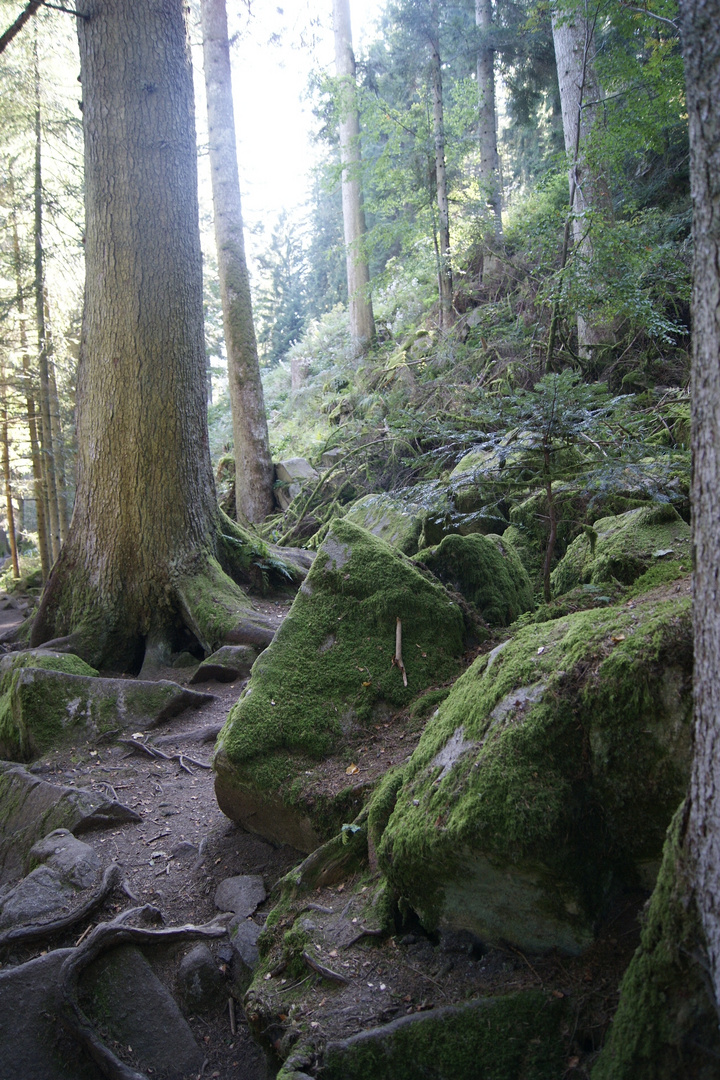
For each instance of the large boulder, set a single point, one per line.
(292, 474)
(47, 698)
(326, 678)
(624, 547)
(547, 778)
(394, 519)
(64, 868)
(487, 571)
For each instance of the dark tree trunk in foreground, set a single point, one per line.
(362, 324)
(139, 563)
(490, 179)
(701, 48)
(254, 473)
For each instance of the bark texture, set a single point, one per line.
(580, 92)
(145, 521)
(490, 178)
(254, 473)
(362, 325)
(445, 267)
(701, 49)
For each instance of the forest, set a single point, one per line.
(359, 619)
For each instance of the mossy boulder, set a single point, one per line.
(624, 547)
(486, 571)
(325, 677)
(547, 778)
(48, 698)
(666, 1023)
(390, 517)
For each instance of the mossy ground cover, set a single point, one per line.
(486, 571)
(557, 761)
(328, 675)
(624, 547)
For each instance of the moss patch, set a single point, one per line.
(666, 1024)
(512, 1038)
(625, 547)
(486, 571)
(548, 775)
(389, 517)
(328, 670)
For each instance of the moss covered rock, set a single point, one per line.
(624, 547)
(326, 676)
(48, 698)
(547, 778)
(666, 1023)
(393, 519)
(486, 571)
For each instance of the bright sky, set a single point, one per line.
(272, 119)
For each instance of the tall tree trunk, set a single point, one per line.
(445, 267)
(701, 48)
(141, 567)
(254, 473)
(573, 38)
(56, 432)
(38, 479)
(362, 324)
(46, 442)
(490, 178)
(5, 443)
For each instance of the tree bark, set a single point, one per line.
(5, 441)
(56, 432)
(254, 473)
(38, 482)
(362, 324)
(490, 178)
(445, 267)
(573, 38)
(139, 570)
(701, 49)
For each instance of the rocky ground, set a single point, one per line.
(181, 849)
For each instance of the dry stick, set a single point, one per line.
(23, 935)
(104, 937)
(231, 1010)
(326, 972)
(397, 659)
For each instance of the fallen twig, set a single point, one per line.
(231, 1010)
(326, 972)
(363, 933)
(397, 660)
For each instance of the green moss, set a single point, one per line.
(562, 754)
(486, 571)
(666, 1023)
(32, 717)
(517, 1037)
(428, 702)
(329, 666)
(624, 548)
(213, 603)
(397, 521)
(382, 804)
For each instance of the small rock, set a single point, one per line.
(244, 934)
(241, 894)
(184, 851)
(229, 663)
(201, 984)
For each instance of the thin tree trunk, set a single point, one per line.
(445, 274)
(362, 324)
(46, 442)
(38, 480)
(254, 473)
(490, 178)
(5, 441)
(573, 38)
(701, 49)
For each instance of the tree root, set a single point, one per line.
(153, 752)
(103, 937)
(25, 935)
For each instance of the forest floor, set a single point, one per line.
(183, 847)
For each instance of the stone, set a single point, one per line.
(546, 781)
(292, 474)
(202, 987)
(327, 678)
(226, 664)
(241, 894)
(244, 934)
(30, 808)
(397, 521)
(41, 706)
(121, 992)
(486, 571)
(67, 867)
(624, 547)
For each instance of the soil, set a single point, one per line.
(183, 847)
